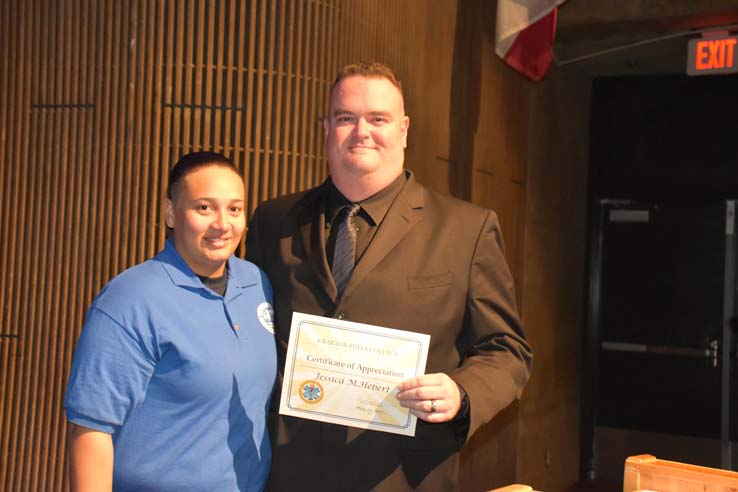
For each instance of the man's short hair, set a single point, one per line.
(371, 69)
(192, 162)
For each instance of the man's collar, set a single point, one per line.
(375, 207)
(334, 201)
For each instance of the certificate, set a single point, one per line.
(347, 373)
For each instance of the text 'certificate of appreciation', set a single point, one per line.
(347, 373)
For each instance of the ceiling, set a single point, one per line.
(636, 37)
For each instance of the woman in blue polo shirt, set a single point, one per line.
(172, 375)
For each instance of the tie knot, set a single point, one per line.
(352, 209)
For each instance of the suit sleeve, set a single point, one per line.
(496, 356)
(253, 248)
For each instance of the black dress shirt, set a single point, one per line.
(368, 220)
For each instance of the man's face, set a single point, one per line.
(208, 218)
(366, 131)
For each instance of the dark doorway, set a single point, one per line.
(659, 353)
(662, 341)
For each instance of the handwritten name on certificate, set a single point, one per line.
(347, 373)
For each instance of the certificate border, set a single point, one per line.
(374, 423)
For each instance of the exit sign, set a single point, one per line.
(711, 55)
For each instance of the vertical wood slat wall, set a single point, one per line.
(98, 98)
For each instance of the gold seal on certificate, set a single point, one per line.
(347, 373)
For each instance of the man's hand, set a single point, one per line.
(432, 397)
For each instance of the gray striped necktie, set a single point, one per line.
(345, 249)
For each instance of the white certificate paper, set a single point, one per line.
(347, 373)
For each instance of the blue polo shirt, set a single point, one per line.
(180, 376)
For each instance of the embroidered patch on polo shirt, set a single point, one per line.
(265, 313)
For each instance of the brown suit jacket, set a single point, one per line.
(435, 266)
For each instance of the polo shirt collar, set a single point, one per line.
(182, 275)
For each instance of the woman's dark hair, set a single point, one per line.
(192, 162)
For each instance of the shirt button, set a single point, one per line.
(236, 327)
(339, 315)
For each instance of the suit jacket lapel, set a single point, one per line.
(311, 230)
(401, 217)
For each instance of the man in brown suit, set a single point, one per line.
(423, 262)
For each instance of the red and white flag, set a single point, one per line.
(525, 34)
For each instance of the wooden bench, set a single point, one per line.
(516, 487)
(646, 472)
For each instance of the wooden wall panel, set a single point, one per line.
(553, 284)
(98, 98)
(498, 180)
